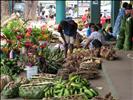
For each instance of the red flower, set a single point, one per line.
(19, 37)
(43, 45)
(29, 30)
(28, 44)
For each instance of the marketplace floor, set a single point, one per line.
(119, 75)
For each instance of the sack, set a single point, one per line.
(96, 43)
(32, 91)
(11, 90)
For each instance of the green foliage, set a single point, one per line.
(10, 67)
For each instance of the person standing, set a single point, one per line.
(124, 38)
(68, 30)
(116, 28)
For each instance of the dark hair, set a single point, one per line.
(96, 43)
(101, 15)
(63, 23)
(129, 6)
(125, 4)
(95, 28)
(90, 24)
(99, 25)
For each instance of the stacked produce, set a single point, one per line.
(80, 63)
(108, 53)
(11, 89)
(35, 88)
(10, 67)
(50, 60)
(42, 78)
(73, 86)
(39, 87)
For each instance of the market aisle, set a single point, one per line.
(119, 75)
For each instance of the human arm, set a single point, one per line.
(61, 33)
(90, 38)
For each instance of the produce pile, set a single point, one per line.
(49, 86)
(108, 53)
(54, 60)
(10, 87)
(10, 67)
(86, 67)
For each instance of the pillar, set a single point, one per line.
(115, 5)
(60, 10)
(10, 7)
(95, 11)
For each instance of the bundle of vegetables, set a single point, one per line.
(74, 85)
(107, 97)
(34, 90)
(96, 62)
(4, 80)
(121, 37)
(54, 60)
(128, 34)
(87, 67)
(10, 67)
(68, 68)
(42, 78)
(108, 53)
(11, 90)
(44, 75)
(79, 54)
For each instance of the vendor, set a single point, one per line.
(68, 30)
(95, 39)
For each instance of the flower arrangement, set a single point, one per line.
(28, 40)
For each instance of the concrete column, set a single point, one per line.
(95, 11)
(10, 6)
(60, 10)
(115, 5)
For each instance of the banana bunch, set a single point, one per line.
(81, 86)
(49, 90)
(73, 86)
(61, 88)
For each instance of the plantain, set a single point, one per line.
(76, 85)
(94, 92)
(66, 92)
(73, 78)
(88, 93)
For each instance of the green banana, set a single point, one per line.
(66, 92)
(88, 92)
(46, 89)
(94, 92)
(61, 92)
(76, 85)
(59, 86)
(73, 78)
